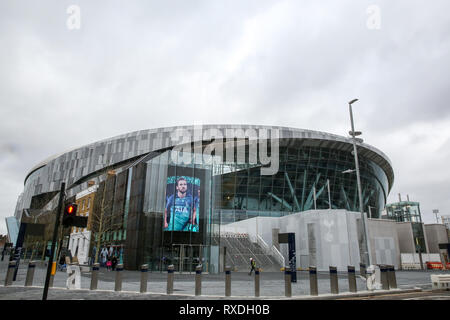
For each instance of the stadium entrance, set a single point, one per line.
(184, 257)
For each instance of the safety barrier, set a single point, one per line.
(198, 280)
(144, 278)
(30, 273)
(334, 286)
(118, 284)
(351, 278)
(227, 281)
(387, 279)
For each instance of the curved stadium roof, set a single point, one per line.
(129, 145)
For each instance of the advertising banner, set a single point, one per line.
(182, 208)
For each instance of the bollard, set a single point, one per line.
(198, 280)
(94, 276)
(391, 277)
(257, 287)
(170, 279)
(362, 270)
(144, 278)
(10, 273)
(118, 286)
(287, 282)
(30, 274)
(50, 281)
(52, 275)
(227, 281)
(384, 277)
(351, 278)
(334, 280)
(313, 289)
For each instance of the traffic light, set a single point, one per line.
(70, 212)
(70, 218)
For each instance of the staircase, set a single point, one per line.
(239, 251)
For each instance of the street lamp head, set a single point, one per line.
(353, 101)
(355, 133)
(349, 171)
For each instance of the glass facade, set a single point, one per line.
(303, 175)
(166, 238)
(164, 206)
(218, 193)
(408, 211)
(405, 211)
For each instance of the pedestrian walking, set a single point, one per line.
(104, 257)
(114, 262)
(62, 262)
(92, 258)
(108, 264)
(252, 265)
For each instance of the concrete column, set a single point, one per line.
(313, 287)
(391, 277)
(170, 275)
(287, 282)
(30, 274)
(198, 280)
(118, 285)
(257, 287)
(384, 277)
(10, 273)
(351, 279)
(144, 278)
(227, 281)
(94, 276)
(334, 285)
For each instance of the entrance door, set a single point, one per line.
(186, 257)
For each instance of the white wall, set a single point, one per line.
(405, 237)
(335, 236)
(384, 241)
(435, 234)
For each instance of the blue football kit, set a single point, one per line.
(179, 212)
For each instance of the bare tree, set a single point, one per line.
(104, 219)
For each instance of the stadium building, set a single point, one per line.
(171, 195)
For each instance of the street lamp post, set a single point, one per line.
(358, 179)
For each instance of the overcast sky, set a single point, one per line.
(136, 65)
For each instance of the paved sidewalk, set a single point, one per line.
(213, 285)
(35, 293)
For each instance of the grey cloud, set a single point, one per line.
(142, 64)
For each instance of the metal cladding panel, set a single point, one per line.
(98, 155)
(135, 225)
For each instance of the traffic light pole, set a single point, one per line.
(55, 232)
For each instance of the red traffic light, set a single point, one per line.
(69, 217)
(71, 209)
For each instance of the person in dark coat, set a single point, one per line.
(114, 262)
(62, 262)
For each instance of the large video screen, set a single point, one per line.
(182, 209)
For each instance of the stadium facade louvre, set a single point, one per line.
(221, 187)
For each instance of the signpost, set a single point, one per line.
(18, 249)
(289, 238)
(55, 232)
